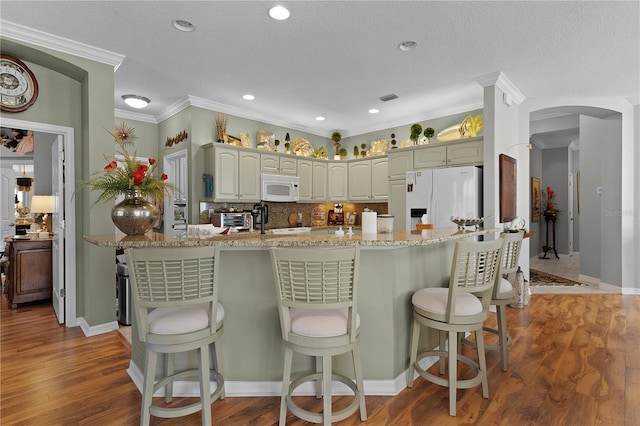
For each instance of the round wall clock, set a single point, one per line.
(18, 85)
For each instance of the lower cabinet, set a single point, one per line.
(30, 276)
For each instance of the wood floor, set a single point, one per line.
(575, 360)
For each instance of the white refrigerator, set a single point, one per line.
(442, 194)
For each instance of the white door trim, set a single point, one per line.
(67, 134)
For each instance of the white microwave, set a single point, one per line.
(282, 188)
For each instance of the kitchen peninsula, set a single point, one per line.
(392, 267)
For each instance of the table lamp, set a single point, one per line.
(43, 204)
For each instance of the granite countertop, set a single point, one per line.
(255, 239)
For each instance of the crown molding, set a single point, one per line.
(501, 81)
(60, 44)
(129, 115)
(536, 142)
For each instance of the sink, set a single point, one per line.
(291, 231)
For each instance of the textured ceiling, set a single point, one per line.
(336, 58)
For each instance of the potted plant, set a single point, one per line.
(276, 143)
(287, 148)
(428, 133)
(363, 151)
(342, 153)
(356, 151)
(336, 137)
(415, 130)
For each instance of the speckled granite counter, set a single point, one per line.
(392, 268)
(255, 239)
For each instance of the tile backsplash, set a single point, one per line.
(279, 212)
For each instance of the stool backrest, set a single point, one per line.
(318, 278)
(172, 277)
(512, 243)
(475, 269)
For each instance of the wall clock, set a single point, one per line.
(18, 85)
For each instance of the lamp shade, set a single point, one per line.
(41, 204)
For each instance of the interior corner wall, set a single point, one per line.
(575, 164)
(535, 170)
(555, 175)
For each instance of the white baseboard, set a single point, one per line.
(272, 388)
(592, 281)
(94, 330)
(631, 291)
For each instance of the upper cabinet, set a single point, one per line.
(236, 173)
(400, 162)
(368, 180)
(337, 177)
(278, 164)
(458, 153)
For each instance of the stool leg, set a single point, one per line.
(482, 363)
(413, 351)
(205, 388)
(319, 381)
(357, 367)
(326, 390)
(453, 371)
(442, 344)
(501, 316)
(151, 360)
(286, 378)
(169, 370)
(217, 365)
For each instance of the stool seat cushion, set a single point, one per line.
(321, 322)
(435, 300)
(177, 319)
(504, 286)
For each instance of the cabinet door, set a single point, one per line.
(379, 179)
(471, 153)
(398, 204)
(360, 180)
(305, 177)
(319, 180)
(288, 166)
(269, 163)
(249, 176)
(400, 162)
(226, 174)
(429, 157)
(337, 177)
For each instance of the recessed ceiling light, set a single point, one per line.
(136, 101)
(248, 97)
(373, 111)
(405, 46)
(320, 118)
(182, 25)
(279, 13)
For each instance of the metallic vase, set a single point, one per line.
(134, 215)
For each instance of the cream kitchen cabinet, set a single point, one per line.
(368, 180)
(337, 178)
(278, 164)
(458, 153)
(400, 162)
(312, 175)
(236, 173)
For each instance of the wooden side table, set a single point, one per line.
(30, 276)
(547, 248)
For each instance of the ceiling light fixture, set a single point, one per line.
(248, 97)
(182, 25)
(320, 118)
(373, 111)
(279, 13)
(405, 46)
(136, 101)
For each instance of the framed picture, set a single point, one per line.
(336, 218)
(508, 185)
(535, 199)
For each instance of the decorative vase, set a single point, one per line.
(134, 215)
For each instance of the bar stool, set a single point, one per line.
(175, 299)
(317, 303)
(454, 310)
(503, 293)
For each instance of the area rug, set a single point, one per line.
(539, 278)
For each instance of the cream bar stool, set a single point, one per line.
(317, 302)
(175, 299)
(457, 310)
(503, 293)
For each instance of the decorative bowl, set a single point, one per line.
(463, 222)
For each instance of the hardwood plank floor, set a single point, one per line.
(575, 360)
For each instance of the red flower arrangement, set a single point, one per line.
(550, 205)
(133, 174)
